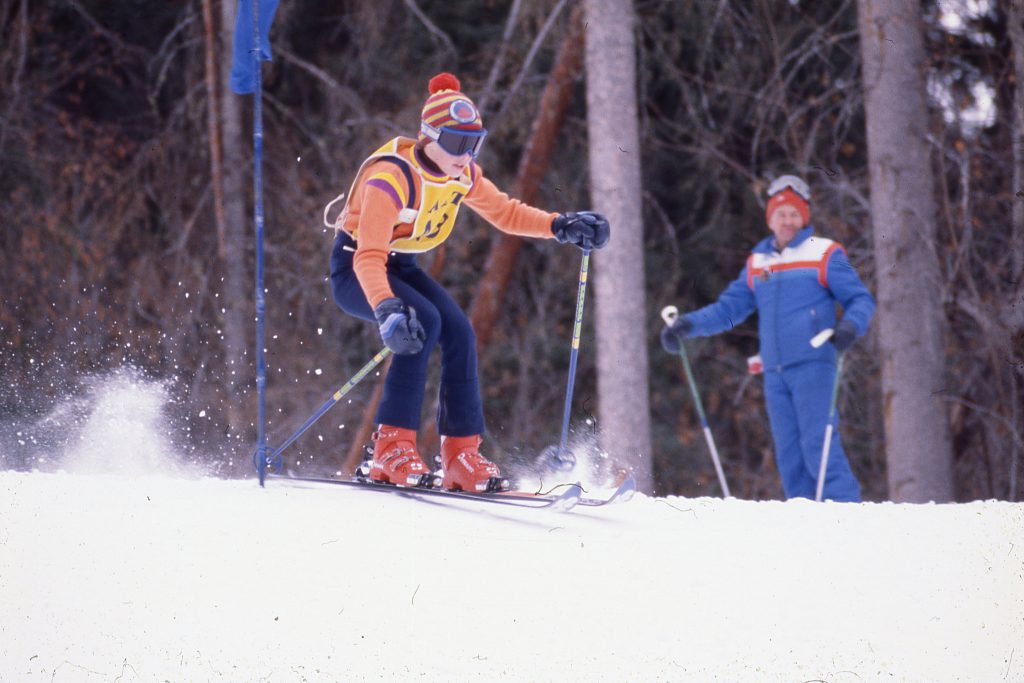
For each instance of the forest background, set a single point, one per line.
(126, 200)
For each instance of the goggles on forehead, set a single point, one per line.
(790, 182)
(456, 142)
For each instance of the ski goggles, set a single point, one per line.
(790, 182)
(456, 142)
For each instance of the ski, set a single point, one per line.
(622, 494)
(562, 502)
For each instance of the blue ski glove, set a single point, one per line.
(672, 336)
(586, 229)
(399, 328)
(844, 336)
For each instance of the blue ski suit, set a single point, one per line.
(794, 292)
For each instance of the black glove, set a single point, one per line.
(399, 328)
(672, 336)
(844, 336)
(586, 229)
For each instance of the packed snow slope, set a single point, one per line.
(114, 577)
(110, 571)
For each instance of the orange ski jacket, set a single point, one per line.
(396, 204)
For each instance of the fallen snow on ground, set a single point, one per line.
(106, 577)
(110, 573)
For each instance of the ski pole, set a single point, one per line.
(828, 430)
(560, 458)
(669, 315)
(274, 459)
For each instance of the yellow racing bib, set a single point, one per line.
(433, 210)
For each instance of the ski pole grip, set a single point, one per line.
(669, 314)
(821, 337)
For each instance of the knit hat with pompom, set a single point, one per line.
(447, 106)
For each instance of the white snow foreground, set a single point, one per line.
(117, 578)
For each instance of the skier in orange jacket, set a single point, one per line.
(403, 202)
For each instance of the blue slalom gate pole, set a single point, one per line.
(246, 78)
(257, 176)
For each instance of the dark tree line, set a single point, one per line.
(112, 254)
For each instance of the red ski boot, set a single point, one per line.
(395, 458)
(465, 469)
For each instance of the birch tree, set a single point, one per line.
(614, 145)
(910, 322)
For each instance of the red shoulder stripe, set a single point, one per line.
(823, 264)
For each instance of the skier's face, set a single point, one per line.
(452, 166)
(785, 222)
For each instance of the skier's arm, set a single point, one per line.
(849, 290)
(380, 202)
(507, 214)
(734, 306)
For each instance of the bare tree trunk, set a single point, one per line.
(911, 324)
(235, 294)
(1015, 25)
(1014, 310)
(614, 144)
(213, 122)
(13, 94)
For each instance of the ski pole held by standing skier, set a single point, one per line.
(793, 279)
(403, 202)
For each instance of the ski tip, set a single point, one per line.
(623, 492)
(626, 489)
(568, 499)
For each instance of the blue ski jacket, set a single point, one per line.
(794, 292)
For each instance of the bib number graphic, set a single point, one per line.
(438, 220)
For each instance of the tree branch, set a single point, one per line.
(431, 27)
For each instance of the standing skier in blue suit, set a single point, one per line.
(793, 279)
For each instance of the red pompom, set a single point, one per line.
(443, 81)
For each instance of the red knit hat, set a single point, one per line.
(791, 198)
(792, 190)
(448, 107)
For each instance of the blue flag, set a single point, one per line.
(243, 68)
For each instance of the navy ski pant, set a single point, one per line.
(460, 412)
(798, 402)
